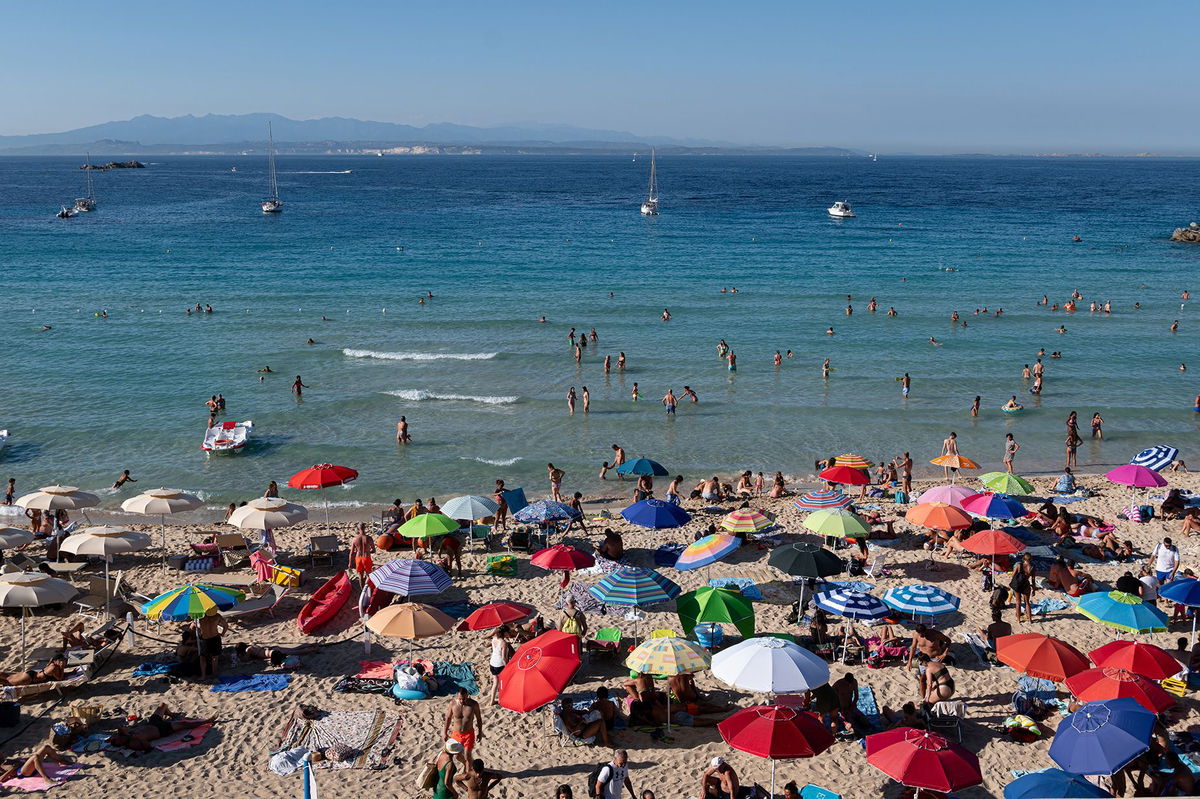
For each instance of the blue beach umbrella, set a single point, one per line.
(1184, 591)
(633, 585)
(643, 466)
(854, 605)
(546, 510)
(1156, 458)
(1102, 737)
(822, 500)
(410, 577)
(656, 514)
(1052, 783)
(921, 600)
(1123, 611)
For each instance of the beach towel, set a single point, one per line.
(357, 685)
(367, 732)
(58, 775)
(847, 585)
(150, 669)
(184, 739)
(869, 707)
(585, 700)
(743, 584)
(452, 676)
(1047, 604)
(978, 648)
(1037, 688)
(375, 670)
(457, 610)
(251, 682)
(587, 603)
(1067, 500)
(93, 742)
(1023, 534)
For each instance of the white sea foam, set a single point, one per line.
(491, 461)
(421, 356)
(416, 395)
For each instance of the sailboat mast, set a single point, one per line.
(271, 163)
(91, 194)
(653, 188)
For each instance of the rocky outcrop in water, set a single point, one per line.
(1190, 234)
(116, 165)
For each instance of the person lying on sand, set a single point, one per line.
(275, 655)
(162, 722)
(74, 638)
(54, 671)
(906, 716)
(34, 764)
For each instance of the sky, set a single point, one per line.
(1011, 77)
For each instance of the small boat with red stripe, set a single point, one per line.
(227, 436)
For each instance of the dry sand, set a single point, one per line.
(233, 758)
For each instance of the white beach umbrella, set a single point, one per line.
(470, 507)
(13, 537)
(267, 514)
(104, 542)
(770, 665)
(58, 497)
(162, 501)
(27, 590)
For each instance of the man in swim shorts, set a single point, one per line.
(361, 549)
(463, 722)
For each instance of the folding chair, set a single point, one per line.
(100, 594)
(878, 565)
(322, 546)
(946, 718)
(481, 534)
(233, 550)
(609, 639)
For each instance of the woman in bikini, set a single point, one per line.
(941, 684)
(1023, 586)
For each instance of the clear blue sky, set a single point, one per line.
(921, 77)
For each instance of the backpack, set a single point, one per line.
(593, 778)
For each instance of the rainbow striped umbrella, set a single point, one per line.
(708, 549)
(633, 585)
(838, 522)
(852, 461)
(667, 656)
(746, 520)
(191, 602)
(821, 500)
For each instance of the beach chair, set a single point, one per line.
(811, 791)
(878, 566)
(266, 602)
(100, 594)
(481, 534)
(232, 549)
(322, 546)
(22, 563)
(663, 634)
(946, 718)
(608, 639)
(565, 738)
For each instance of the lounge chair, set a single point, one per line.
(946, 718)
(608, 642)
(233, 550)
(878, 566)
(481, 534)
(100, 597)
(322, 546)
(258, 604)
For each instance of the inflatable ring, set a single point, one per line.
(402, 693)
(1017, 409)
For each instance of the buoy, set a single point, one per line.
(385, 542)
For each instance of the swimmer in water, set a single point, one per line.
(1175, 326)
(891, 311)
(829, 332)
(1060, 329)
(298, 386)
(47, 327)
(266, 370)
(689, 394)
(905, 384)
(310, 341)
(666, 315)
(541, 319)
(325, 318)
(825, 368)
(789, 355)
(934, 342)
(778, 359)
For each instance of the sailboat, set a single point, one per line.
(273, 204)
(650, 207)
(88, 203)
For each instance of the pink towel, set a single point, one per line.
(184, 739)
(59, 775)
(374, 670)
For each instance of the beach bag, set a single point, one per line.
(86, 713)
(288, 761)
(1147, 512)
(427, 779)
(901, 498)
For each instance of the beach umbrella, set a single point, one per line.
(806, 560)
(707, 550)
(844, 475)
(410, 621)
(656, 514)
(993, 543)
(427, 525)
(945, 494)
(938, 516)
(267, 514)
(954, 462)
(1102, 737)
(923, 760)
(1100, 684)
(1184, 591)
(539, 671)
(470, 507)
(921, 600)
(994, 506)
(770, 665)
(160, 502)
(495, 614)
(1156, 458)
(1040, 656)
(563, 558)
(776, 732)
(1147, 660)
(28, 590)
(1005, 483)
(1122, 611)
(321, 476)
(58, 497)
(643, 467)
(852, 605)
(715, 605)
(837, 523)
(820, 500)
(191, 602)
(1052, 783)
(545, 511)
(634, 585)
(666, 657)
(104, 542)
(13, 537)
(746, 520)
(410, 577)
(852, 461)
(1135, 477)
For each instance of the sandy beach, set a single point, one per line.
(233, 757)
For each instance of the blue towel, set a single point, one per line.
(1044, 606)
(251, 682)
(743, 584)
(850, 585)
(1036, 688)
(1059, 500)
(457, 610)
(151, 668)
(452, 676)
(869, 707)
(585, 700)
(1023, 534)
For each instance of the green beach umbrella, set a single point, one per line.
(428, 525)
(838, 522)
(719, 605)
(1004, 483)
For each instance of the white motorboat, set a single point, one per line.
(841, 210)
(227, 436)
(271, 205)
(650, 206)
(66, 213)
(88, 203)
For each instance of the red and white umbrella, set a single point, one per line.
(322, 476)
(539, 671)
(776, 732)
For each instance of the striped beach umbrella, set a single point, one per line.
(546, 510)
(746, 520)
(838, 522)
(854, 605)
(667, 656)
(1123, 611)
(993, 506)
(1005, 483)
(191, 602)
(708, 549)
(921, 600)
(1156, 458)
(634, 585)
(410, 577)
(946, 494)
(470, 507)
(852, 461)
(821, 500)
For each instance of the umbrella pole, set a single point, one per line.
(24, 612)
(107, 587)
(772, 778)
(1193, 627)
(668, 692)
(326, 507)
(162, 520)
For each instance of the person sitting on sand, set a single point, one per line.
(997, 629)
(1061, 578)
(613, 546)
(34, 765)
(54, 671)
(683, 688)
(605, 707)
(1189, 525)
(875, 519)
(719, 781)
(1173, 505)
(140, 737)
(582, 726)
(849, 718)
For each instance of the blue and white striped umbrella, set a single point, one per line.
(633, 585)
(852, 604)
(1156, 458)
(546, 510)
(920, 600)
(410, 577)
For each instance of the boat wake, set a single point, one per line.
(492, 461)
(416, 395)
(421, 356)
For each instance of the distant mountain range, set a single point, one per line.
(238, 133)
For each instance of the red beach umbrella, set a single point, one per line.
(1096, 685)
(495, 614)
(561, 557)
(1147, 660)
(1040, 655)
(845, 475)
(539, 671)
(994, 542)
(321, 476)
(776, 732)
(921, 759)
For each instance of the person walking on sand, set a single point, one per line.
(1023, 585)
(10, 491)
(1010, 451)
(502, 650)
(361, 550)
(556, 476)
(298, 386)
(463, 722)
(612, 777)
(402, 436)
(670, 402)
(209, 629)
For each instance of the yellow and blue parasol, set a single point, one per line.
(191, 602)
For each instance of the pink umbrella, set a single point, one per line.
(1135, 476)
(949, 494)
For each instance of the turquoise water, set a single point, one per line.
(501, 241)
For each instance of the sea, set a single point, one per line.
(121, 378)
